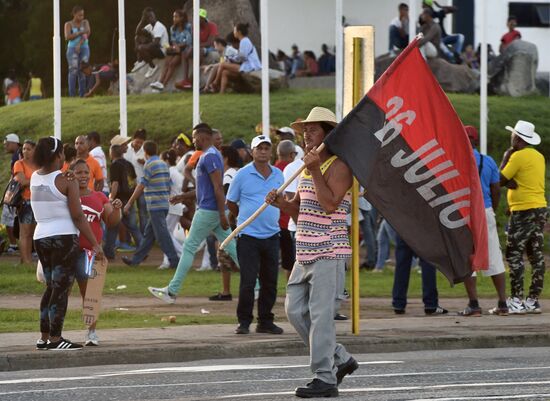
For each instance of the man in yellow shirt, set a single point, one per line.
(522, 171)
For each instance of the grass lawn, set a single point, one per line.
(20, 279)
(20, 320)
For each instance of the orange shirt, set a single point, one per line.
(194, 159)
(96, 173)
(21, 166)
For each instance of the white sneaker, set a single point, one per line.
(532, 306)
(92, 340)
(164, 265)
(138, 65)
(162, 294)
(151, 71)
(204, 268)
(515, 306)
(157, 85)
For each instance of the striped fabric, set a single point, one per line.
(320, 235)
(157, 182)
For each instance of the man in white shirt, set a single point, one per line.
(136, 156)
(94, 141)
(146, 52)
(399, 29)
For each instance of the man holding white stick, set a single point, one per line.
(320, 206)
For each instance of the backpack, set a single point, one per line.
(13, 195)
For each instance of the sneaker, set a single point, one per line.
(532, 306)
(63, 345)
(270, 328)
(242, 329)
(157, 85)
(185, 84)
(163, 294)
(164, 265)
(347, 368)
(469, 311)
(221, 297)
(339, 316)
(204, 268)
(437, 311)
(515, 306)
(151, 71)
(317, 388)
(138, 65)
(498, 311)
(128, 261)
(399, 311)
(41, 345)
(124, 247)
(12, 250)
(92, 340)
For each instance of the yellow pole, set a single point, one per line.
(357, 92)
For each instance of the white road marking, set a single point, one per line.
(245, 395)
(492, 397)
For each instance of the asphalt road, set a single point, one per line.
(487, 374)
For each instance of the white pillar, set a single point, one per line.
(56, 71)
(483, 79)
(413, 17)
(196, 62)
(265, 68)
(339, 44)
(122, 69)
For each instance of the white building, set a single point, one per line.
(310, 23)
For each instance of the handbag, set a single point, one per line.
(13, 195)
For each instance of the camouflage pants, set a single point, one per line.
(58, 255)
(525, 234)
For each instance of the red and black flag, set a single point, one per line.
(407, 147)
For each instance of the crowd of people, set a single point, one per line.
(437, 42)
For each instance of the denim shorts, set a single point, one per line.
(25, 214)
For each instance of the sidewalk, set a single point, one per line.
(381, 331)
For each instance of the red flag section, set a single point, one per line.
(408, 148)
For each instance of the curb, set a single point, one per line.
(170, 353)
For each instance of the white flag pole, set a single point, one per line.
(196, 62)
(265, 68)
(413, 17)
(339, 45)
(122, 69)
(56, 71)
(483, 80)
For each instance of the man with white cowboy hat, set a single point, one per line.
(319, 206)
(523, 171)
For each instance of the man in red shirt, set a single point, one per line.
(511, 35)
(208, 32)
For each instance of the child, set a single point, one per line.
(103, 73)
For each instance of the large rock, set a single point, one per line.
(451, 77)
(252, 82)
(514, 72)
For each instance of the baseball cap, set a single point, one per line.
(286, 130)
(12, 138)
(258, 140)
(239, 144)
(203, 13)
(120, 140)
(472, 132)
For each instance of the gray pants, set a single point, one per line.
(311, 294)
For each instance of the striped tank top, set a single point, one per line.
(320, 235)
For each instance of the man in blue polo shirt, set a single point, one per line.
(258, 243)
(210, 215)
(489, 177)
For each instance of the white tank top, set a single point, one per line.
(50, 207)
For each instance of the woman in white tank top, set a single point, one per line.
(55, 201)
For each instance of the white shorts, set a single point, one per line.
(496, 264)
(8, 216)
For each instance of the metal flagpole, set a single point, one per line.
(339, 44)
(413, 16)
(483, 80)
(265, 68)
(122, 69)
(56, 71)
(196, 62)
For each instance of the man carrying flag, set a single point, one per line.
(319, 207)
(408, 148)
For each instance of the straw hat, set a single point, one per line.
(120, 140)
(316, 115)
(526, 131)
